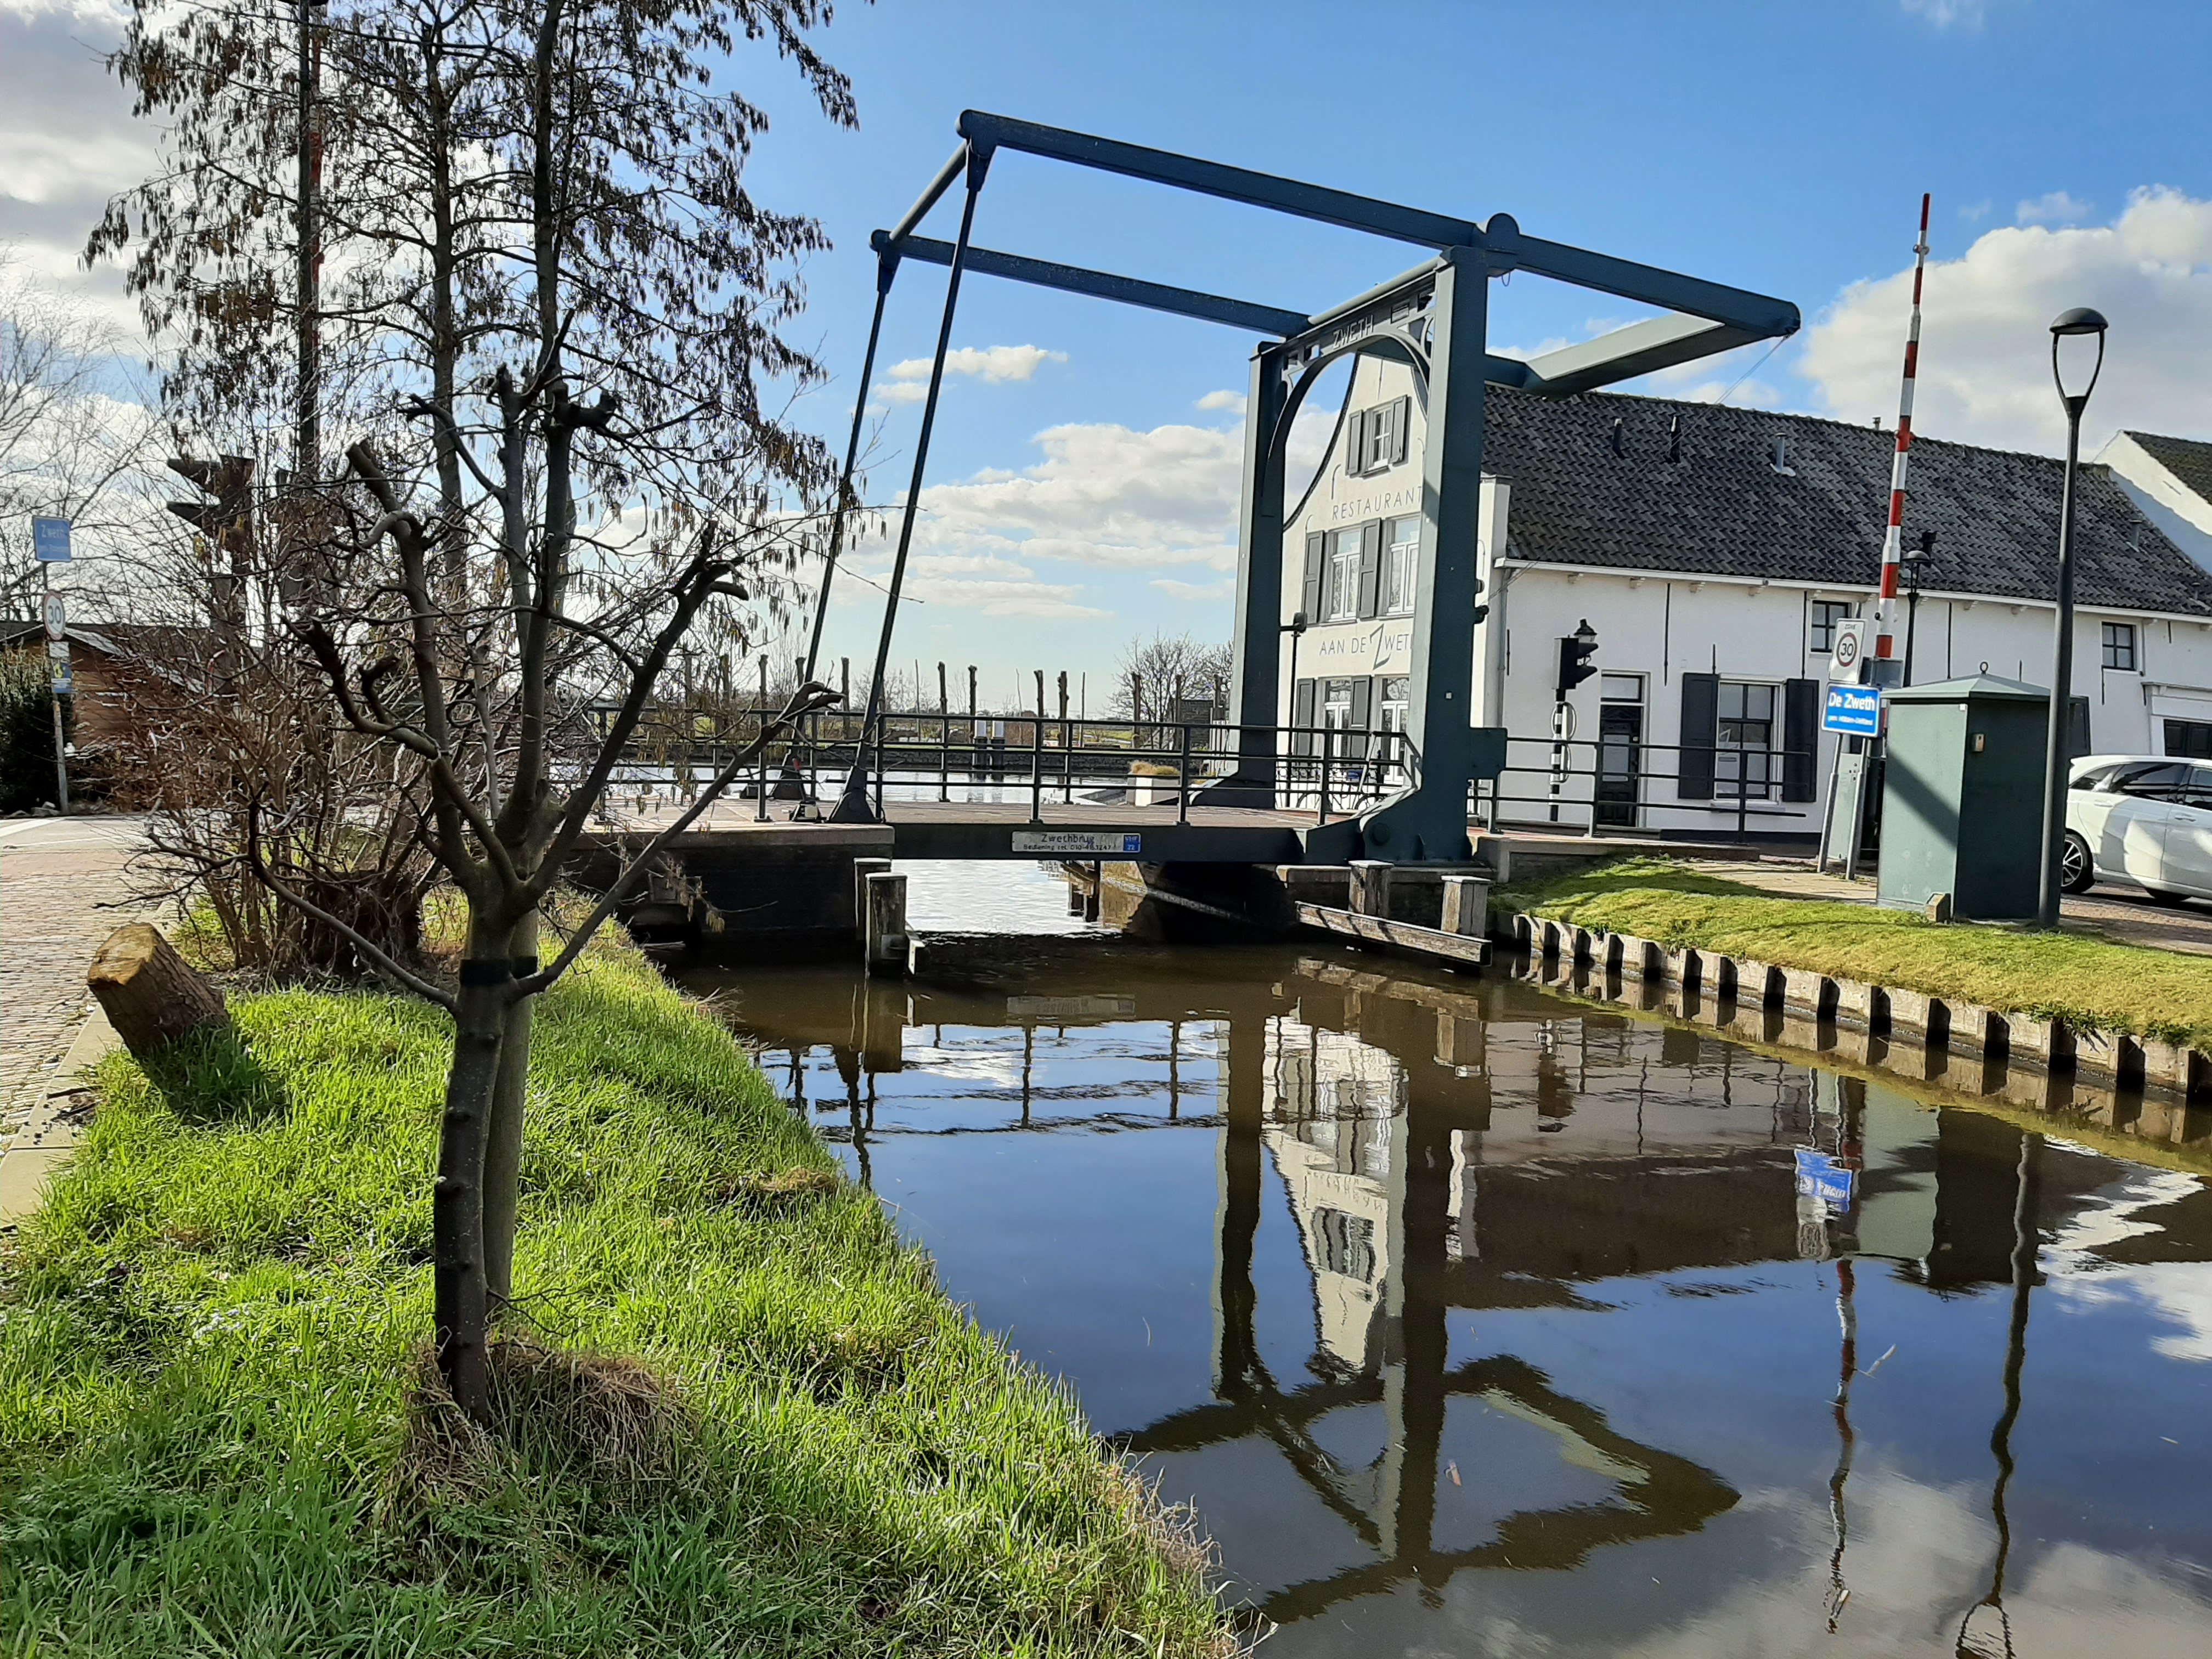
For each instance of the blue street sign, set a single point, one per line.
(1855, 710)
(50, 540)
(1821, 1176)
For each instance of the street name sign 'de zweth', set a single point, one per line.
(50, 540)
(1854, 710)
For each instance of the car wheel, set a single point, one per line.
(2076, 870)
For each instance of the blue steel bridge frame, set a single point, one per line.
(1433, 317)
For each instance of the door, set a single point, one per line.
(2132, 843)
(1619, 750)
(2186, 867)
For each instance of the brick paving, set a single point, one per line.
(56, 877)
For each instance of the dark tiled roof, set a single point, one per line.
(2188, 458)
(1722, 510)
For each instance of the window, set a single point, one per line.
(1345, 1243)
(1826, 613)
(1743, 761)
(1621, 688)
(2120, 646)
(2190, 737)
(1400, 559)
(2156, 780)
(1376, 438)
(1397, 699)
(1343, 604)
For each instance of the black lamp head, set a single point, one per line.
(2079, 320)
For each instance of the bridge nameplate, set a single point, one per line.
(1087, 843)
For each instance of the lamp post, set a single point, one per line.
(1296, 628)
(2077, 322)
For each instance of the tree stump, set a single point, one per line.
(152, 996)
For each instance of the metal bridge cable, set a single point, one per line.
(886, 268)
(853, 806)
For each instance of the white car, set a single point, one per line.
(2142, 819)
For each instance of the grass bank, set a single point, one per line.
(749, 1422)
(2086, 981)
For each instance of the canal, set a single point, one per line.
(1472, 1320)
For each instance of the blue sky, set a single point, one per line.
(1080, 494)
(1782, 148)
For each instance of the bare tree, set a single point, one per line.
(1161, 675)
(70, 446)
(601, 480)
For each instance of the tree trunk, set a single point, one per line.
(457, 1209)
(503, 1145)
(152, 996)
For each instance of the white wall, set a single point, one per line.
(1662, 626)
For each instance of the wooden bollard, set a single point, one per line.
(862, 869)
(1370, 888)
(152, 996)
(1467, 898)
(886, 923)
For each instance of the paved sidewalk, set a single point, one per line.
(2120, 913)
(56, 874)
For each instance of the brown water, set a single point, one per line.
(1473, 1321)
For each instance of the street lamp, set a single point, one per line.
(1296, 628)
(2079, 321)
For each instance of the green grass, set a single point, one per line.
(2088, 982)
(748, 1421)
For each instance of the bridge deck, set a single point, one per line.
(1005, 829)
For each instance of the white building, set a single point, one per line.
(1713, 550)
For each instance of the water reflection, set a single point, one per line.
(1473, 1321)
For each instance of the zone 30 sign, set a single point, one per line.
(1847, 657)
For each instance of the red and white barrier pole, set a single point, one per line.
(1893, 541)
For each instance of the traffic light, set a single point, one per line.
(1576, 650)
(228, 519)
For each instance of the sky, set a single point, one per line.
(1081, 484)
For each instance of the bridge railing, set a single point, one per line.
(1619, 783)
(1328, 769)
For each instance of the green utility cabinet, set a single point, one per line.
(1962, 797)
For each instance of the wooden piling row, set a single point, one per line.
(1903, 1031)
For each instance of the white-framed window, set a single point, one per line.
(1377, 438)
(1621, 688)
(1743, 763)
(1825, 614)
(1343, 604)
(1402, 554)
(1397, 703)
(2120, 646)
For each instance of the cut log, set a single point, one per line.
(152, 996)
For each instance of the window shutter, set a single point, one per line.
(1302, 714)
(1355, 443)
(1317, 562)
(1371, 567)
(1362, 707)
(1801, 738)
(1402, 423)
(1701, 709)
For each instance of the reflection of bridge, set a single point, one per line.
(1407, 1123)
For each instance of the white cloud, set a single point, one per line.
(2059, 207)
(908, 382)
(1223, 399)
(1175, 590)
(68, 141)
(1985, 348)
(1974, 212)
(1103, 495)
(1968, 14)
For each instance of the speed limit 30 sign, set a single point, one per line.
(1846, 658)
